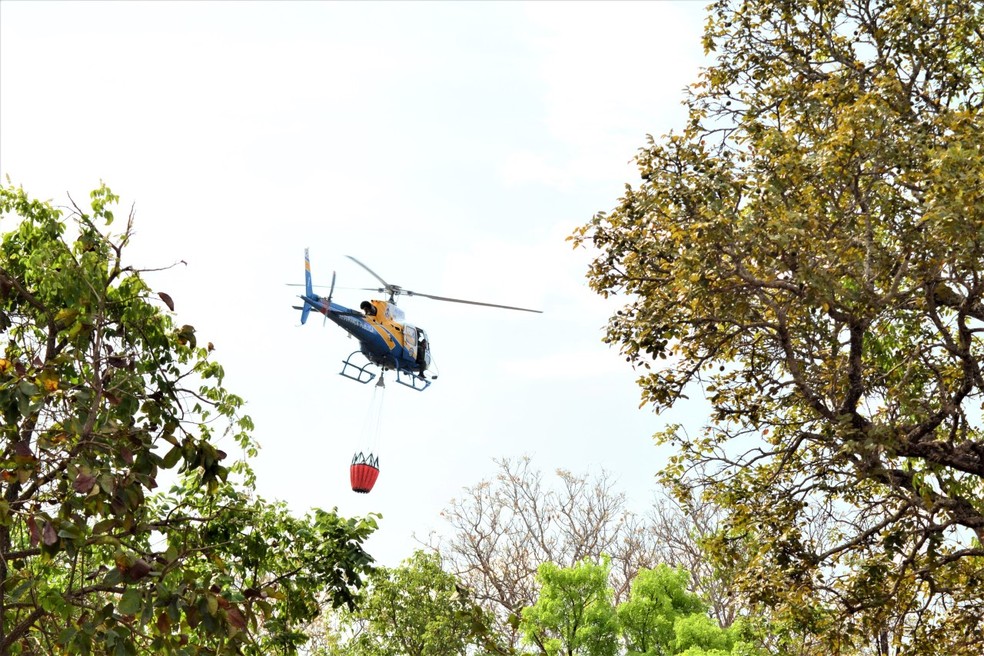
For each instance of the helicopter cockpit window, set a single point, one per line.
(393, 313)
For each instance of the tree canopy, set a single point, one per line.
(574, 615)
(101, 395)
(416, 609)
(504, 528)
(659, 599)
(807, 252)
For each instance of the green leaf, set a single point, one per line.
(131, 602)
(172, 457)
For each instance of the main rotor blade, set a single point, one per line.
(375, 275)
(394, 291)
(301, 284)
(458, 300)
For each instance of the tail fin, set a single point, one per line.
(308, 287)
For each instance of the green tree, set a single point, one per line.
(416, 609)
(662, 617)
(101, 393)
(574, 614)
(808, 253)
(505, 527)
(698, 632)
(658, 598)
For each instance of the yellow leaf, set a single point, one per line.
(66, 316)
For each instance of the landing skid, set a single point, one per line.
(359, 373)
(413, 381)
(362, 374)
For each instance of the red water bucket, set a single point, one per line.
(364, 472)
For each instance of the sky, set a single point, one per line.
(450, 146)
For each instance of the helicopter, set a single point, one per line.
(386, 340)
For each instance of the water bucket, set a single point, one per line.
(364, 472)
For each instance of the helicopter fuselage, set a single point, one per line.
(384, 339)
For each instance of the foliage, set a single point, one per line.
(658, 600)
(809, 253)
(104, 398)
(574, 614)
(416, 609)
(680, 529)
(505, 527)
(699, 632)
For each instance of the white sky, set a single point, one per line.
(450, 146)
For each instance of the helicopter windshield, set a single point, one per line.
(393, 313)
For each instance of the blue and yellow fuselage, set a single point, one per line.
(385, 339)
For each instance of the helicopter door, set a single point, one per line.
(410, 340)
(415, 342)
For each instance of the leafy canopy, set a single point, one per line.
(808, 254)
(102, 397)
(574, 616)
(574, 613)
(659, 599)
(416, 609)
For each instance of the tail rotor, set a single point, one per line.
(310, 298)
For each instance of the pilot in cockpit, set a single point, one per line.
(421, 350)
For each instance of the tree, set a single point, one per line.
(416, 609)
(505, 528)
(659, 598)
(809, 254)
(679, 529)
(698, 632)
(661, 617)
(574, 614)
(101, 394)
